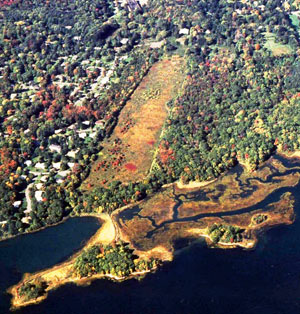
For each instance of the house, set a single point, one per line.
(100, 124)
(56, 165)
(26, 220)
(40, 165)
(124, 41)
(17, 204)
(82, 135)
(28, 163)
(55, 148)
(184, 31)
(38, 195)
(72, 153)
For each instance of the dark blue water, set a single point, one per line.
(200, 280)
(33, 252)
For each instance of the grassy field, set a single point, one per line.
(128, 153)
(276, 48)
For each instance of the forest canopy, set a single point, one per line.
(67, 69)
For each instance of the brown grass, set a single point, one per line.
(160, 208)
(231, 198)
(224, 195)
(127, 155)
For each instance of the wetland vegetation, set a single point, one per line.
(70, 74)
(236, 199)
(164, 119)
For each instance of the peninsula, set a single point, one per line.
(171, 121)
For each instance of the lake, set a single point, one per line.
(199, 280)
(33, 252)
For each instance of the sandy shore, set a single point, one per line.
(159, 252)
(56, 282)
(63, 273)
(107, 233)
(193, 184)
(295, 154)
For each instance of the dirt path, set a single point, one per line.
(28, 199)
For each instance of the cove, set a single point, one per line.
(33, 252)
(199, 280)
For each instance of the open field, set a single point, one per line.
(128, 153)
(276, 48)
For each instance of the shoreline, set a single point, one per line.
(293, 154)
(105, 234)
(84, 281)
(62, 274)
(110, 232)
(193, 184)
(70, 216)
(37, 230)
(248, 245)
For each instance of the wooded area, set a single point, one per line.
(68, 67)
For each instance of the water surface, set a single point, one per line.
(36, 251)
(199, 281)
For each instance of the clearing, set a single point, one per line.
(127, 155)
(276, 48)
